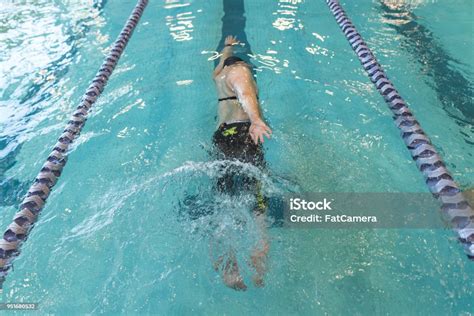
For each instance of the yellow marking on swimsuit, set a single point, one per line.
(261, 203)
(230, 131)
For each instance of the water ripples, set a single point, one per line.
(180, 25)
(35, 53)
(287, 15)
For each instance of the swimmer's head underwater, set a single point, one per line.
(234, 60)
(229, 61)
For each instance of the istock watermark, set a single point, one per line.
(301, 204)
(362, 210)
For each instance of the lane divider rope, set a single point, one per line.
(23, 221)
(455, 207)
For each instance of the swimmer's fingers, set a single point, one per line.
(268, 130)
(231, 40)
(259, 132)
(254, 137)
(267, 133)
(259, 138)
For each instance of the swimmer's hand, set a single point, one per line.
(258, 129)
(231, 40)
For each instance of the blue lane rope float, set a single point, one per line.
(33, 203)
(455, 207)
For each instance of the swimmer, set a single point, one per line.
(239, 136)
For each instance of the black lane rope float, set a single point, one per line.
(17, 232)
(455, 207)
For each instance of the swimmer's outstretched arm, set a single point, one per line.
(227, 51)
(241, 81)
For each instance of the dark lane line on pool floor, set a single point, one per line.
(233, 23)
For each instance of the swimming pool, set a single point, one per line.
(112, 227)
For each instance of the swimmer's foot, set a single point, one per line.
(258, 280)
(259, 259)
(218, 263)
(258, 262)
(231, 275)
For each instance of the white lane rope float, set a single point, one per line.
(455, 207)
(31, 206)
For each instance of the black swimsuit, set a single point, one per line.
(234, 142)
(228, 98)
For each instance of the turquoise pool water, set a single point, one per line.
(111, 238)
